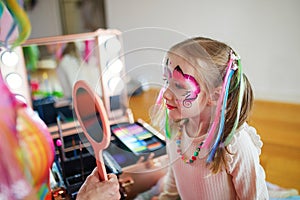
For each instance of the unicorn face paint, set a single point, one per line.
(184, 86)
(187, 84)
(183, 97)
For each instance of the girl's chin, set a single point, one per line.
(175, 116)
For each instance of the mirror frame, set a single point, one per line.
(99, 36)
(105, 124)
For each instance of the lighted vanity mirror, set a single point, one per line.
(55, 64)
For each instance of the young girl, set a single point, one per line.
(213, 152)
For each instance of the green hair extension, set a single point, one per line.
(167, 127)
(240, 101)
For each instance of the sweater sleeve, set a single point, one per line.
(170, 191)
(248, 176)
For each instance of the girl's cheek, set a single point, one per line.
(185, 103)
(191, 109)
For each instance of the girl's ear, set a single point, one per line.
(213, 99)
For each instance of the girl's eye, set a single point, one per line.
(179, 86)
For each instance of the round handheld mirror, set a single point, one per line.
(92, 117)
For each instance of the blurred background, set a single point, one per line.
(264, 33)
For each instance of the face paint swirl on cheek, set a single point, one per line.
(192, 88)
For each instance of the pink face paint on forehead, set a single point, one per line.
(184, 85)
(194, 87)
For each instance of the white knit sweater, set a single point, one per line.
(244, 178)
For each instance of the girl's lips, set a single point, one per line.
(170, 107)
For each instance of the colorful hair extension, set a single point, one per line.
(167, 126)
(210, 135)
(222, 121)
(241, 93)
(21, 19)
(239, 66)
(159, 100)
(10, 32)
(1, 8)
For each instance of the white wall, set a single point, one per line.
(264, 33)
(45, 19)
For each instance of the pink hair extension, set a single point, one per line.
(210, 135)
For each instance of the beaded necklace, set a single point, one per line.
(179, 151)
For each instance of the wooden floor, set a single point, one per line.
(277, 123)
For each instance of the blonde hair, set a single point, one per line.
(210, 59)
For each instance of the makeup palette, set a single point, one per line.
(137, 138)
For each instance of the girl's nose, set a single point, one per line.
(168, 95)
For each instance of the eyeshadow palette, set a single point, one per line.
(137, 138)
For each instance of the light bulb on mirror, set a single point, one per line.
(115, 66)
(113, 46)
(14, 80)
(9, 58)
(21, 98)
(116, 85)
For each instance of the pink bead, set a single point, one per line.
(58, 142)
